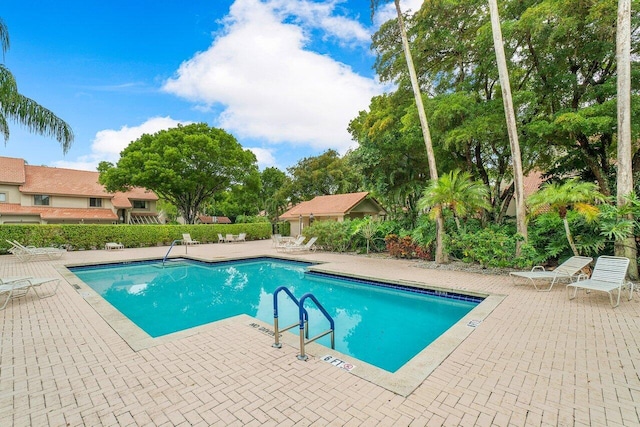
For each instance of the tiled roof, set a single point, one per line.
(51, 213)
(64, 182)
(11, 170)
(337, 204)
(59, 181)
(214, 219)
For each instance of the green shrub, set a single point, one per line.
(492, 247)
(94, 236)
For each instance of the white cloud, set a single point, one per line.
(388, 10)
(265, 157)
(108, 143)
(270, 85)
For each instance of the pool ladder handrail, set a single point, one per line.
(331, 330)
(170, 247)
(276, 328)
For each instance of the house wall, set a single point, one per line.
(12, 193)
(19, 219)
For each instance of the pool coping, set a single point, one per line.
(402, 382)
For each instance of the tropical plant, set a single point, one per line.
(457, 192)
(560, 198)
(18, 108)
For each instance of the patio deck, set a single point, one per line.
(537, 359)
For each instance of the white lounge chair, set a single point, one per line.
(285, 243)
(187, 240)
(569, 270)
(28, 253)
(221, 239)
(302, 248)
(242, 237)
(608, 275)
(16, 287)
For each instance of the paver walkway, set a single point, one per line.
(537, 360)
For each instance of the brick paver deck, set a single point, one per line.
(537, 359)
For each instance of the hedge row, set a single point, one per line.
(94, 236)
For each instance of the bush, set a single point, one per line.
(405, 247)
(94, 236)
(332, 235)
(492, 247)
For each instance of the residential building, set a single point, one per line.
(337, 207)
(47, 195)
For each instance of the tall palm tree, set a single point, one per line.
(560, 198)
(518, 175)
(627, 246)
(457, 192)
(440, 255)
(25, 111)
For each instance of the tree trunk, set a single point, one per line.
(440, 255)
(518, 177)
(626, 247)
(570, 237)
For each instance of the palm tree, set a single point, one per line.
(18, 108)
(560, 198)
(457, 192)
(624, 246)
(440, 256)
(518, 176)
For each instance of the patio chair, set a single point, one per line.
(27, 253)
(221, 239)
(284, 244)
(187, 240)
(302, 248)
(242, 237)
(567, 270)
(608, 275)
(19, 286)
(229, 238)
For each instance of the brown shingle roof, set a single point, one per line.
(337, 204)
(65, 182)
(51, 213)
(214, 219)
(60, 181)
(11, 170)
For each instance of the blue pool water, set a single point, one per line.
(382, 324)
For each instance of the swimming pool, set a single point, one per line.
(382, 324)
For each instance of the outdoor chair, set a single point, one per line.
(608, 275)
(567, 270)
(221, 239)
(187, 240)
(242, 237)
(16, 287)
(284, 244)
(28, 253)
(302, 247)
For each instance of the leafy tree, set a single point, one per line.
(18, 108)
(186, 166)
(321, 175)
(273, 195)
(560, 198)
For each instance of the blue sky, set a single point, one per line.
(285, 77)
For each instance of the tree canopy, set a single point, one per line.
(186, 166)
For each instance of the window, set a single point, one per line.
(3, 197)
(41, 200)
(95, 202)
(139, 204)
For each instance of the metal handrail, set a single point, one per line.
(170, 247)
(276, 328)
(302, 313)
